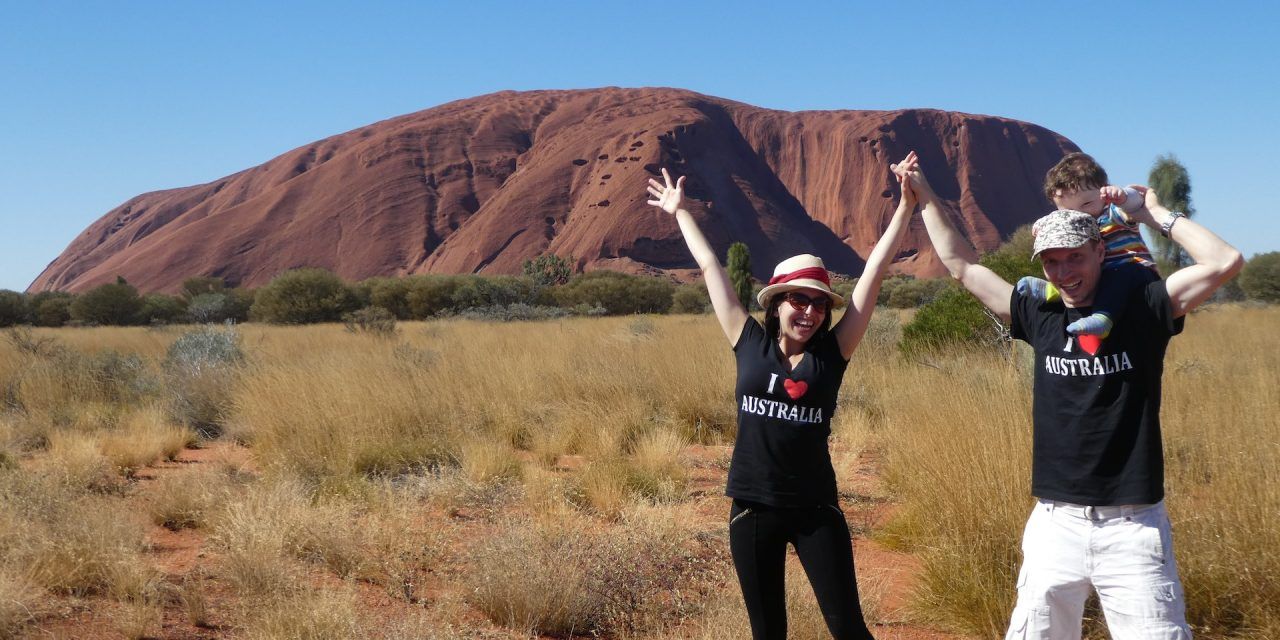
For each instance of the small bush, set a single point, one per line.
(373, 321)
(200, 369)
(912, 293)
(158, 308)
(109, 304)
(391, 294)
(619, 293)
(431, 295)
(208, 307)
(691, 298)
(1260, 278)
(548, 269)
(303, 296)
(955, 317)
(13, 308)
(193, 288)
(50, 308)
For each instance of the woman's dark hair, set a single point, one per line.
(772, 323)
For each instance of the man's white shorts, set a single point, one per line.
(1124, 552)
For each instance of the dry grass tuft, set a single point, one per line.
(190, 500)
(18, 597)
(570, 577)
(315, 615)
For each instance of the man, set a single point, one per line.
(1097, 465)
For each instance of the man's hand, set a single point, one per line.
(667, 197)
(909, 171)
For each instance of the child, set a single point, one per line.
(1078, 182)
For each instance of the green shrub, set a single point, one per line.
(691, 298)
(391, 294)
(740, 272)
(303, 296)
(50, 308)
(480, 291)
(911, 293)
(548, 270)
(431, 295)
(199, 286)
(619, 293)
(1260, 278)
(109, 304)
(158, 308)
(955, 317)
(13, 308)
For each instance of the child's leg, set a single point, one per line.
(1115, 288)
(1034, 287)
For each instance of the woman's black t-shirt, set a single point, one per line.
(780, 457)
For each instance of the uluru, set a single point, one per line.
(483, 184)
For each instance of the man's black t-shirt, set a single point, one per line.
(780, 457)
(1096, 403)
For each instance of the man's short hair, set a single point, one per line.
(1074, 172)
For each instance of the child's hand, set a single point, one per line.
(1112, 194)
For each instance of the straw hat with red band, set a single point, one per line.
(799, 272)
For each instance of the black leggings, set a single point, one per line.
(758, 537)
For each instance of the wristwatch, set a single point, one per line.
(1168, 223)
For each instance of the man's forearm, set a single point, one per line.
(953, 249)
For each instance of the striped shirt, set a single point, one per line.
(1124, 242)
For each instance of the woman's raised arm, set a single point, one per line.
(724, 300)
(862, 302)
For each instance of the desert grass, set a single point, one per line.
(18, 599)
(62, 538)
(189, 501)
(575, 577)
(566, 444)
(315, 614)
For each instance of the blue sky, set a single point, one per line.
(108, 100)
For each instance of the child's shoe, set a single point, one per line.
(1098, 324)
(1036, 288)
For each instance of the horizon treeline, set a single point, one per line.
(546, 289)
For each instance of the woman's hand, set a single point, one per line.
(667, 197)
(900, 171)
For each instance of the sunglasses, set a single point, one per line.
(800, 302)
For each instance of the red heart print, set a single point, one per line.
(795, 389)
(1089, 342)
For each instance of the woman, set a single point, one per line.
(789, 372)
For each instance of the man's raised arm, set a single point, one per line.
(1216, 262)
(955, 251)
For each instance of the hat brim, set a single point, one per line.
(1059, 245)
(767, 293)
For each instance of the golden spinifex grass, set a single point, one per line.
(958, 439)
(577, 424)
